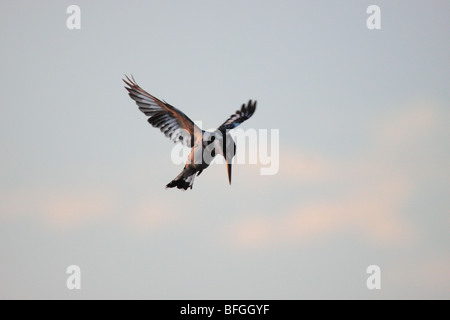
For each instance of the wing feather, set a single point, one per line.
(239, 116)
(171, 121)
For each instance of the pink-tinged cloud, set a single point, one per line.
(67, 211)
(406, 126)
(427, 274)
(150, 214)
(62, 210)
(373, 216)
(372, 190)
(304, 166)
(58, 209)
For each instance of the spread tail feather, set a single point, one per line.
(183, 181)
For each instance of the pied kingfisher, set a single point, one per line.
(179, 128)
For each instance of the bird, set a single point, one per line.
(205, 145)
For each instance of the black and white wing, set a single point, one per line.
(171, 121)
(239, 116)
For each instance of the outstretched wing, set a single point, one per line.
(171, 121)
(240, 116)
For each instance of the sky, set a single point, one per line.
(363, 175)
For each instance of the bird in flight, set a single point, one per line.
(178, 127)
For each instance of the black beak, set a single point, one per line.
(229, 172)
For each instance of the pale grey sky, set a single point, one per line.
(364, 177)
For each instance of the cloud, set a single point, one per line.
(428, 275)
(371, 214)
(66, 211)
(408, 125)
(132, 205)
(150, 214)
(364, 195)
(58, 209)
(304, 166)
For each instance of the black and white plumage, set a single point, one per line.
(171, 121)
(239, 116)
(179, 128)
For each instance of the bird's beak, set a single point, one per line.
(229, 172)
